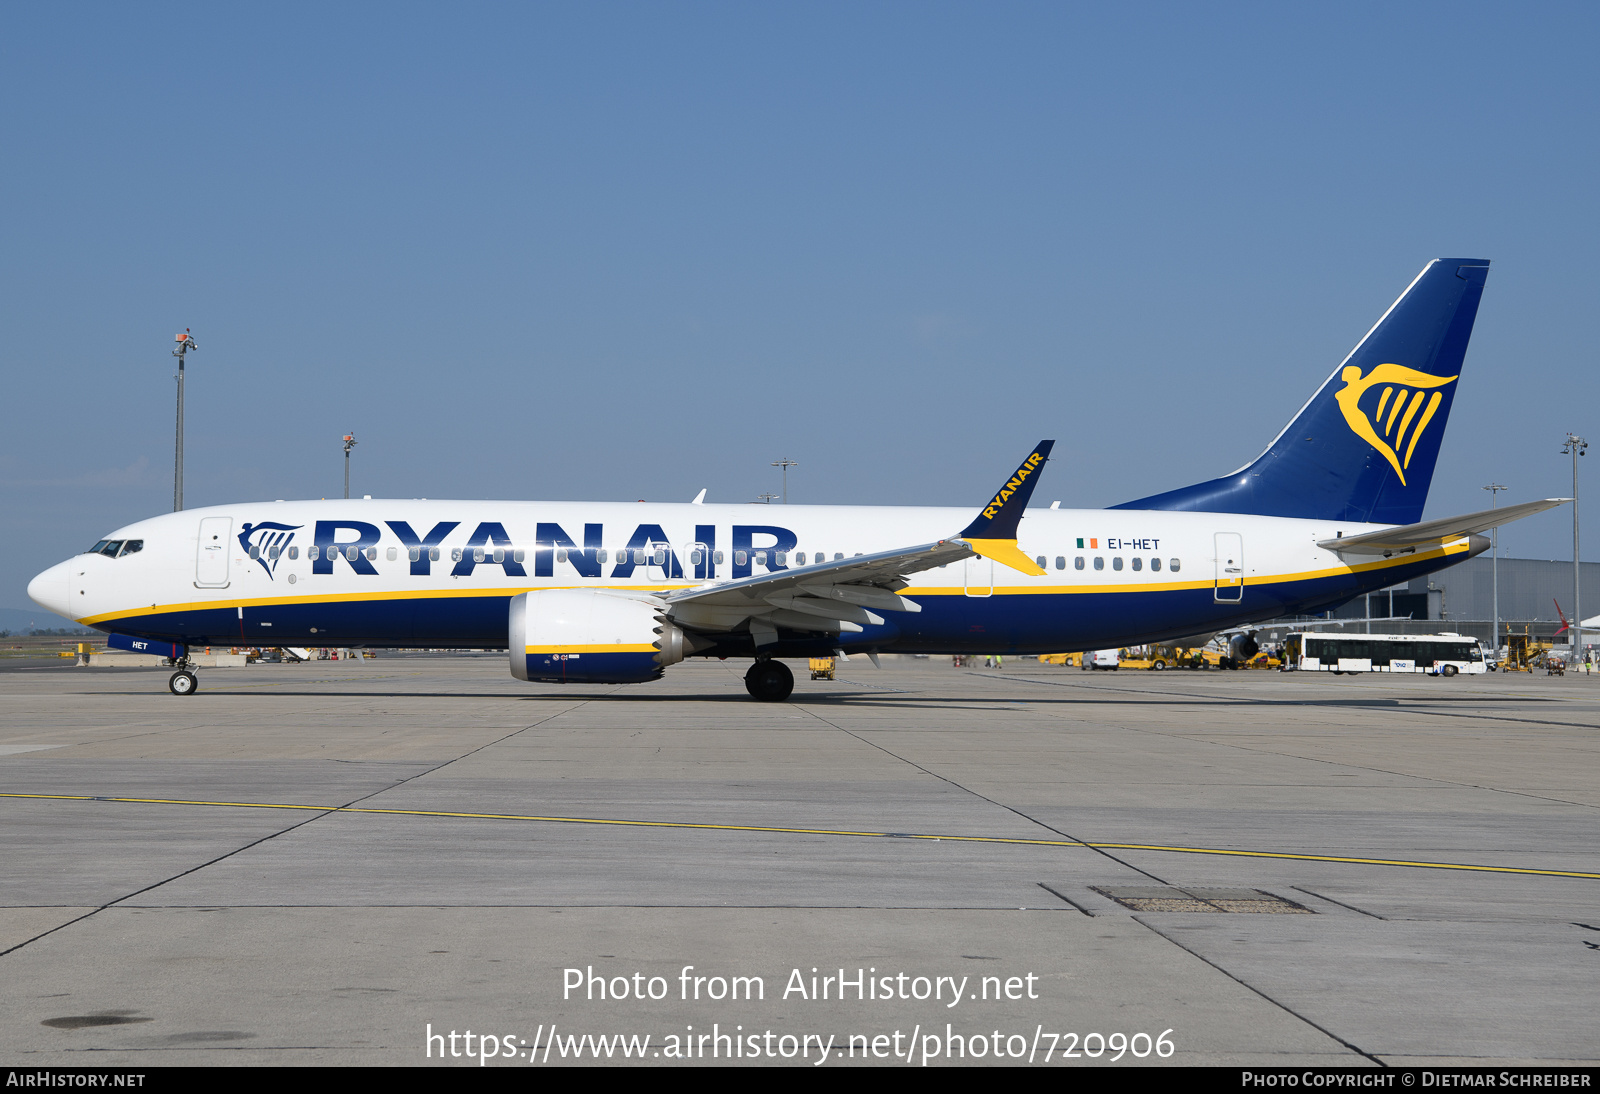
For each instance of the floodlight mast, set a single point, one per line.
(1494, 489)
(1576, 446)
(785, 463)
(349, 443)
(185, 344)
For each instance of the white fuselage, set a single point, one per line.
(1112, 576)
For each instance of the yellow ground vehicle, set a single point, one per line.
(1073, 660)
(1524, 653)
(822, 668)
(1160, 658)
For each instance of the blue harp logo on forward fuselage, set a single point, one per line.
(1404, 407)
(270, 540)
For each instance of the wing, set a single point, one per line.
(846, 595)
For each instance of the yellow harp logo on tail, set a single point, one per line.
(1396, 418)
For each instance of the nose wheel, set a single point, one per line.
(769, 681)
(183, 682)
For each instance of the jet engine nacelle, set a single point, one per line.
(591, 637)
(1242, 647)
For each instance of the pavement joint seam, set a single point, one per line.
(324, 811)
(1200, 739)
(1251, 987)
(986, 798)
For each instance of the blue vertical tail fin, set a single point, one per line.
(1364, 447)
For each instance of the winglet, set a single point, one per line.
(993, 532)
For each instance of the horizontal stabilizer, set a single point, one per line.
(1433, 532)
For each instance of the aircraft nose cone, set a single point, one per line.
(49, 589)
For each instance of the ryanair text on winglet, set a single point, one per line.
(1027, 468)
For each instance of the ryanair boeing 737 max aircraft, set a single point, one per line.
(613, 593)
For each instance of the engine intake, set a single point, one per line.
(593, 637)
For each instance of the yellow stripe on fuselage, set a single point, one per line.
(535, 650)
(916, 590)
(345, 598)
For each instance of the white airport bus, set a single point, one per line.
(1434, 654)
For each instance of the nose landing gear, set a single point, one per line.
(184, 681)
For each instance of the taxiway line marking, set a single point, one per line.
(1008, 840)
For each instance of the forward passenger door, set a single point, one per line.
(211, 553)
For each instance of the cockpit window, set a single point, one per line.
(111, 547)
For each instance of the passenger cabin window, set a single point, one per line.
(799, 558)
(254, 551)
(696, 557)
(561, 554)
(1039, 562)
(455, 554)
(517, 555)
(781, 558)
(372, 554)
(761, 558)
(272, 552)
(1116, 562)
(716, 557)
(739, 558)
(294, 552)
(433, 554)
(601, 556)
(660, 557)
(1099, 562)
(1172, 564)
(1077, 562)
(1061, 562)
(1138, 563)
(313, 553)
(391, 554)
(415, 554)
(1155, 564)
(500, 555)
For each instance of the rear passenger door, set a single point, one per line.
(1229, 588)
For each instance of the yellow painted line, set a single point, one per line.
(1093, 845)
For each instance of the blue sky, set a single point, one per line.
(628, 251)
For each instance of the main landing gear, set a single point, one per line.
(769, 681)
